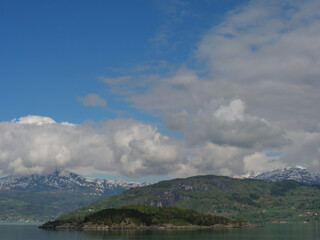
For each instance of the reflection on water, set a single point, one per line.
(270, 232)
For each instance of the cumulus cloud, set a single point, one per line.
(228, 125)
(215, 159)
(93, 100)
(36, 144)
(36, 120)
(258, 162)
(305, 150)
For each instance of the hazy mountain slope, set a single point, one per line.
(254, 200)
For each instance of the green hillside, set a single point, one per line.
(39, 206)
(254, 200)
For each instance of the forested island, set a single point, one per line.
(145, 217)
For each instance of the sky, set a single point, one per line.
(149, 90)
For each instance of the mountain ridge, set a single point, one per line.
(66, 181)
(299, 174)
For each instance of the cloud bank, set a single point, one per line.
(36, 144)
(228, 125)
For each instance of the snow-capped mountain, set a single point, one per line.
(298, 174)
(247, 175)
(67, 181)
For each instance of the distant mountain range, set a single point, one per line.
(41, 198)
(298, 174)
(67, 181)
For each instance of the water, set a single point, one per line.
(269, 232)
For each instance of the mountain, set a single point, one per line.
(298, 174)
(254, 200)
(66, 181)
(42, 198)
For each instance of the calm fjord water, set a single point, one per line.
(269, 232)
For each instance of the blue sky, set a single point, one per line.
(53, 51)
(159, 89)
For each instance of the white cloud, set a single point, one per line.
(228, 125)
(258, 162)
(233, 112)
(304, 150)
(93, 100)
(211, 158)
(122, 146)
(36, 120)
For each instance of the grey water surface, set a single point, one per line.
(269, 232)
